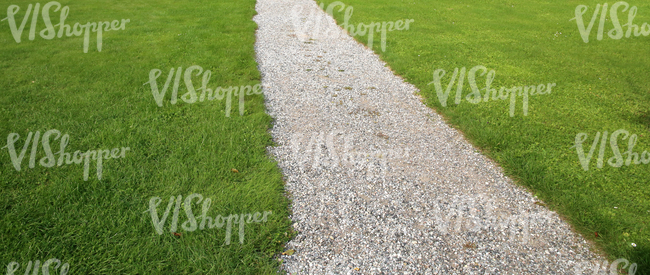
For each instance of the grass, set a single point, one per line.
(99, 100)
(601, 86)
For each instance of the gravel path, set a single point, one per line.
(379, 183)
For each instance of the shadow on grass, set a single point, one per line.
(644, 119)
(642, 256)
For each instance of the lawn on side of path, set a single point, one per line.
(104, 100)
(602, 85)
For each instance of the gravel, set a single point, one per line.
(379, 183)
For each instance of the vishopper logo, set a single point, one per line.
(615, 161)
(49, 160)
(14, 266)
(476, 97)
(49, 32)
(308, 149)
(206, 93)
(471, 214)
(617, 32)
(191, 224)
(597, 268)
(313, 23)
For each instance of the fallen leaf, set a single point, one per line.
(234, 170)
(382, 135)
(177, 234)
(596, 233)
(469, 245)
(288, 252)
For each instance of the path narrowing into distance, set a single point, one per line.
(379, 183)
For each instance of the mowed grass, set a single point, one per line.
(601, 86)
(99, 100)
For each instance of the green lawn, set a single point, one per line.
(600, 86)
(98, 99)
